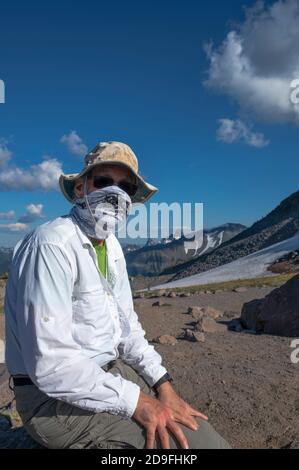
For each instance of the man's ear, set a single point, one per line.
(79, 188)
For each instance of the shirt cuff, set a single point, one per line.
(152, 376)
(129, 399)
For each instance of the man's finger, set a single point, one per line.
(179, 435)
(187, 420)
(199, 414)
(150, 438)
(164, 437)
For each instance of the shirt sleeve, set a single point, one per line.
(135, 349)
(53, 360)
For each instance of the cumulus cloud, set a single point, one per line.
(5, 154)
(231, 131)
(7, 215)
(257, 62)
(43, 176)
(74, 144)
(17, 227)
(33, 212)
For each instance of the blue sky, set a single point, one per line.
(134, 72)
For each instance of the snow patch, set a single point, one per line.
(248, 267)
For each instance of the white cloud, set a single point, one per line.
(43, 176)
(5, 154)
(258, 60)
(74, 144)
(7, 215)
(17, 227)
(33, 212)
(230, 131)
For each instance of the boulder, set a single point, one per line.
(277, 313)
(196, 336)
(139, 295)
(207, 324)
(15, 438)
(235, 325)
(165, 339)
(160, 293)
(198, 312)
(195, 311)
(171, 294)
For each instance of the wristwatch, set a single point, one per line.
(165, 378)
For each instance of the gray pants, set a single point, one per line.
(57, 425)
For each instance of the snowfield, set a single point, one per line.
(248, 267)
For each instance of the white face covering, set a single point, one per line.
(101, 211)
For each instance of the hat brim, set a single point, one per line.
(67, 182)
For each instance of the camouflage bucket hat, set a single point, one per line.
(112, 153)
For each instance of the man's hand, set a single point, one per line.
(182, 412)
(157, 418)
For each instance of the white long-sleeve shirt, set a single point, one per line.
(64, 321)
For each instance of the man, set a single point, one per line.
(84, 375)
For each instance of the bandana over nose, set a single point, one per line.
(102, 211)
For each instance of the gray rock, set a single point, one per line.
(139, 295)
(165, 339)
(195, 336)
(195, 311)
(235, 325)
(160, 293)
(15, 438)
(198, 336)
(277, 313)
(198, 312)
(207, 324)
(172, 294)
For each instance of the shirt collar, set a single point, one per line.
(112, 252)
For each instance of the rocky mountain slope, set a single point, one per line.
(255, 265)
(160, 257)
(280, 224)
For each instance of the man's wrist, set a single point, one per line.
(165, 379)
(165, 388)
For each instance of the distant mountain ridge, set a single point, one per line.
(158, 257)
(280, 224)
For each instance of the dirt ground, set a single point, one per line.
(245, 383)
